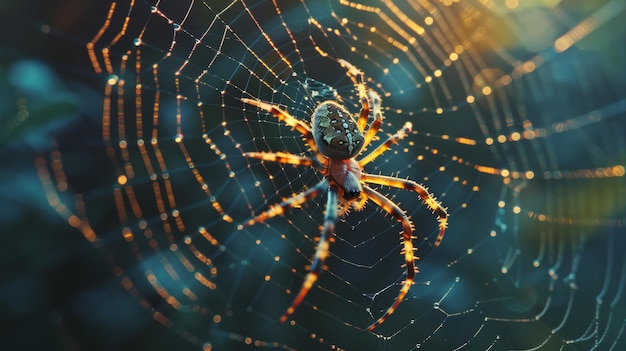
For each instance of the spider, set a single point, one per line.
(335, 139)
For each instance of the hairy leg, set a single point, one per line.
(400, 134)
(281, 157)
(294, 201)
(330, 218)
(288, 119)
(428, 199)
(357, 78)
(374, 98)
(407, 239)
(368, 99)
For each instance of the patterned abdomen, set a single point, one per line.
(335, 131)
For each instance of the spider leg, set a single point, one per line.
(368, 99)
(294, 201)
(330, 218)
(283, 157)
(407, 237)
(400, 134)
(288, 119)
(357, 78)
(428, 199)
(378, 118)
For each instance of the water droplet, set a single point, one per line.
(112, 79)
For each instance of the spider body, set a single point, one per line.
(339, 139)
(336, 139)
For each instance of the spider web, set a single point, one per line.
(518, 114)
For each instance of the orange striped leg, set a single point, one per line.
(400, 134)
(365, 108)
(288, 119)
(428, 199)
(294, 201)
(378, 118)
(407, 239)
(330, 218)
(281, 157)
(357, 78)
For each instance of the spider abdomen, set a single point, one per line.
(335, 132)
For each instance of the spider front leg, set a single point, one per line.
(330, 218)
(288, 119)
(429, 200)
(407, 239)
(368, 99)
(400, 134)
(283, 157)
(378, 117)
(357, 78)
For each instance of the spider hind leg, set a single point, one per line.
(407, 239)
(330, 218)
(428, 199)
(294, 201)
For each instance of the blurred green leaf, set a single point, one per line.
(26, 120)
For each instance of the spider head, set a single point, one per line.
(335, 132)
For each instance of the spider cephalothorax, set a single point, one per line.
(335, 139)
